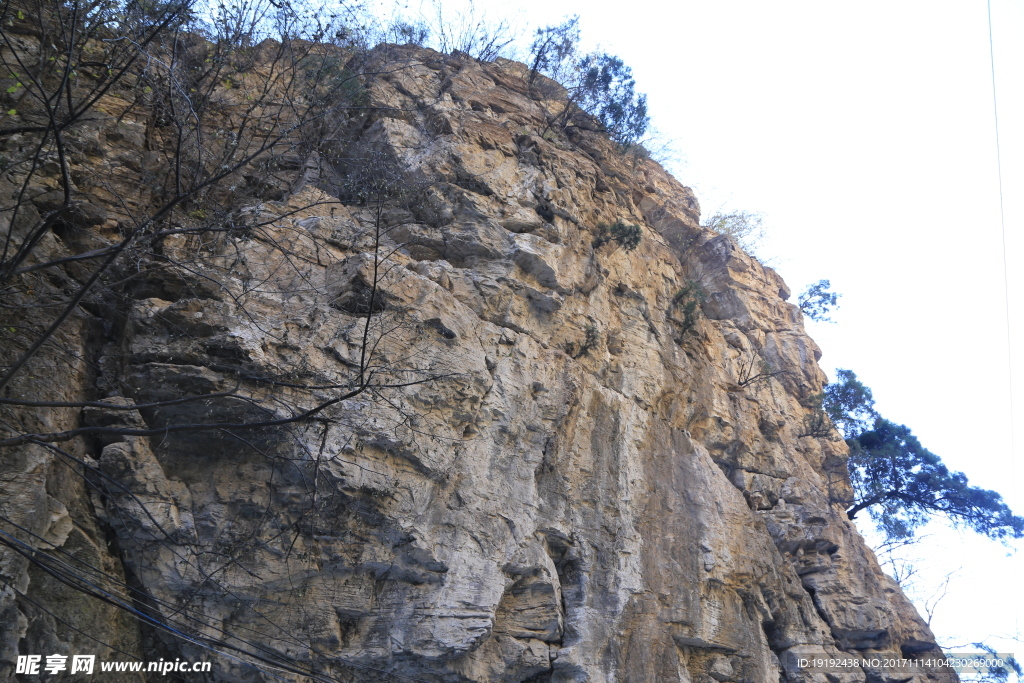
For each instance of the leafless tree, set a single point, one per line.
(755, 370)
(932, 602)
(891, 557)
(160, 162)
(469, 30)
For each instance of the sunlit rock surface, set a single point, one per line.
(584, 489)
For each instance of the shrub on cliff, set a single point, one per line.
(470, 31)
(746, 227)
(627, 235)
(687, 301)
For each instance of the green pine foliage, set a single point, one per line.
(597, 83)
(607, 90)
(817, 301)
(627, 235)
(849, 404)
(688, 301)
(901, 483)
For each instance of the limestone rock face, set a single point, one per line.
(558, 477)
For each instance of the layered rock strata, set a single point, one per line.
(562, 475)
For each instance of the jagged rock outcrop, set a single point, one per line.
(559, 477)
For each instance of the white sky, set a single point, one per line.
(864, 132)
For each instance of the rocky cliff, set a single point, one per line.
(571, 461)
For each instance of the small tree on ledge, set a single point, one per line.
(599, 84)
(817, 301)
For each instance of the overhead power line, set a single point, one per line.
(1006, 269)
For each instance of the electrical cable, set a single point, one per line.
(1006, 276)
(72, 627)
(72, 579)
